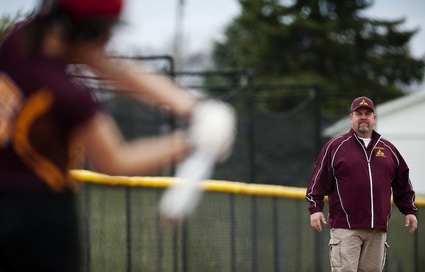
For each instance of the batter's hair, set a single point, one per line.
(73, 30)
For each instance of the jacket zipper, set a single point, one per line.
(371, 195)
(369, 167)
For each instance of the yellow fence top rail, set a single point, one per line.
(208, 185)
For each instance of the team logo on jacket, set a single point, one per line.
(380, 152)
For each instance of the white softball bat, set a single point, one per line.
(212, 134)
(181, 198)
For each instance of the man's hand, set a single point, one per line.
(411, 219)
(316, 219)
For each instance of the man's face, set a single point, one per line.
(362, 121)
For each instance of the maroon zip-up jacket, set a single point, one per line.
(359, 182)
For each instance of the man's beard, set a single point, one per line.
(364, 129)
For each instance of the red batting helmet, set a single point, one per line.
(84, 9)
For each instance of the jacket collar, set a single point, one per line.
(375, 135)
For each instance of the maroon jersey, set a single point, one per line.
(40, 107)
(359, 182)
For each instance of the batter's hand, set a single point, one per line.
(213, 128)
(316, 220)
(411, 219)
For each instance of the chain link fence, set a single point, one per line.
(279, 137)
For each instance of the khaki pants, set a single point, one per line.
(357, 250)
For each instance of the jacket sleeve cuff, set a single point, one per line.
(412, 211)
(314, 210)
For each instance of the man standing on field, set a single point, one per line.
(359, 171)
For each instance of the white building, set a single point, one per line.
(401, 121)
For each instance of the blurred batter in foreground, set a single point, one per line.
(45, 116)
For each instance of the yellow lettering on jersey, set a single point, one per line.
(36, 105)
(10, 102)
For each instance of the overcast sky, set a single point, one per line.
(151, 23)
